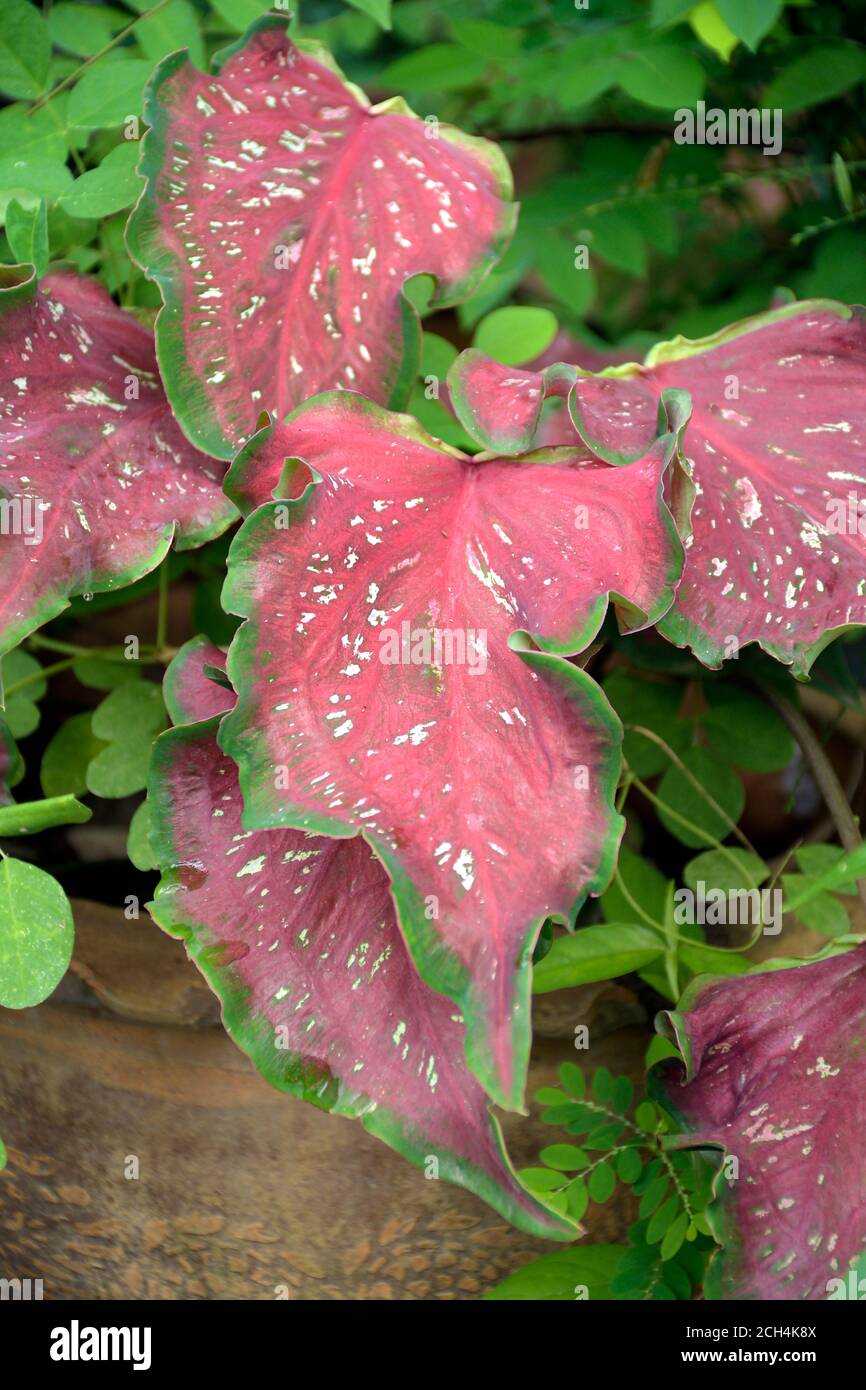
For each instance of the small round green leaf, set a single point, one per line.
(36, 934)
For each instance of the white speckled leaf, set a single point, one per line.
(297, 935)
(282, 216)
(777, 448)
(775, 1076)
(95, 476)
(478, 763)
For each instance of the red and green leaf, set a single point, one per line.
(776, 447)
(190, 690)
(484, 781)
(775, 1075)
(297, 936)
(90, 455)
(281, 219)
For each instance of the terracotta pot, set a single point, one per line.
(148, 1160)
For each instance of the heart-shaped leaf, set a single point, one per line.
(402, 676)
(297, 936)
(190, 694)
(776, 448)
(95, 476)
(775, 1074)
(281, 219)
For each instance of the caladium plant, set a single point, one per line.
(297, 935)
(281, 219)
(96, 478)
(772, 1077)
(775, 446)
(402, 668)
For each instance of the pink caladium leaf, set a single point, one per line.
(195, 686)
(775, 1075)
(96, 479)
(776, 447)
(401, 675)
(281, 219)
(297, 936)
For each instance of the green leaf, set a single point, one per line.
(662, 74)
(663, 1218)
(629, 1165)
(110, 187)
(573, 285)
(540, 1179)
(4, 1157)
(848, 866)
(437, 68)
(823, 913)
(716, 870)
(818, 859)
(30, 817)
(622, 1096)
(614, 237)
(573, 1079)
(240, 14)
(175, 26)
(692, 812)
(674, 1236)
(645, 886)
(490, 41)
(658, 1050)
(128, 720)
(824, 72)
(379, 10)
(646, 1117)
(746, 730)
(750, 20)
(602, 1182)
(558, 1275)
(138, 846)
(65, 760)
(100, 673)
(83, 29)
(21, 711)
(602, 1085)
(712, 30)
(36, 934)
(437, 355)
(652, 705)
(37, 135)
(108, 93)
(842, 181)
(565, 1157)
(596, 953)
(516, 333)
(25, 51)
(27, 233)
(578, 1199)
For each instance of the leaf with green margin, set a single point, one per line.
(188, 692)
(21, 706)
(27, 234)
(331, 204)
(439, 767)
(772, 1061)
(36, 934)
(66, 758)
(104, 476)
(127, 721)
(562, 1275)
(333, 1009)
(25, 51)
(596, 953)
(782, 390)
